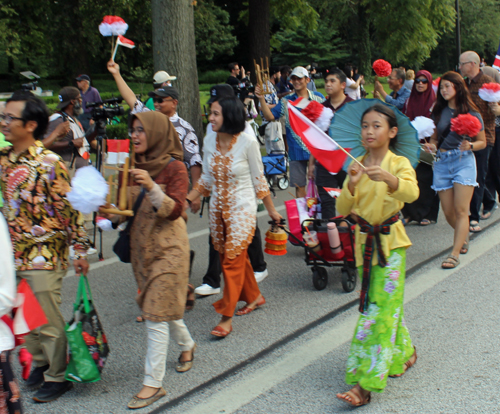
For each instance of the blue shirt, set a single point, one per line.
(297, 151)
(398, 98)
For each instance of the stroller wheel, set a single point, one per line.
(320, 278)
(349, 279)
(283, 183)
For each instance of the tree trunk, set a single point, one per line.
(258, 33)
(174, 51)
(364, 48)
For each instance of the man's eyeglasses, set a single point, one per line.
(159, 100)
(421, 81)
(463, 63)
(9, 118)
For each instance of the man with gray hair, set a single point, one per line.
(475, 79)
(399, 93)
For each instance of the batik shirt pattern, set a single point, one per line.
(42, 223)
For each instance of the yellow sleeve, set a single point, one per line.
(408, 190)
(345, 201)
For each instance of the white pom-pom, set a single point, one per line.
(105, 29)
(119, 28)
(424, 126)
(325, 119)
(488, 95)
(88, 190)
(104, 224)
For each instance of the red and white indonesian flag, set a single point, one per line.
(321, 146)
(123, 41)
(118, 151)
(333, 192)
(29, 314)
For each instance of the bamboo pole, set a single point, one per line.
(122, 201)
(129, 213)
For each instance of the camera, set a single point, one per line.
(26, 87)
(106, 109)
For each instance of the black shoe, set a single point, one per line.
(51, 391)
(36, 377)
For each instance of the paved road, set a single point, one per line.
(289, 356)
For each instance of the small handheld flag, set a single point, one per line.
(122, 41)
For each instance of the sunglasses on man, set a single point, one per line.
(159, 99)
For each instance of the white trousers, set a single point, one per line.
(158, 338)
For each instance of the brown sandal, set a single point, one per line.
(360, 398)
(408, 364)
(451, 260)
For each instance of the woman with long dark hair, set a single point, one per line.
(233, 175)
(420, 103)
(455, 165)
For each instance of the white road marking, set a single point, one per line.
(237, 394)
(193, 235)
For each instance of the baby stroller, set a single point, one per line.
(276, 160)
(323, 256)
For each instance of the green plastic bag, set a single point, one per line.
(87, 344)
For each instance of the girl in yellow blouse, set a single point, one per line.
(375, 194)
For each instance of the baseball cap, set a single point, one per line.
(166, 91)
(83, 77)
(300, 72)
(66, 95)
(220, 91)
(162, 76)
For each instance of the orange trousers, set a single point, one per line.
(239, 283)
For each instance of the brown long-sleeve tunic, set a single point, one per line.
(160, 246)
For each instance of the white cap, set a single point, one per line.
(162, 76)
(300, 72)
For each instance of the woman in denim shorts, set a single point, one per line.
(455, 165)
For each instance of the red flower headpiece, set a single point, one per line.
(382, 68)
(466, 124)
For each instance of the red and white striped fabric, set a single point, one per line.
(118, 151)
(321, 146)
(123, 41)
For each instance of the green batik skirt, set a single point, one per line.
(381, 343)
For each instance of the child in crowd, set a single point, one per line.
(374, 195)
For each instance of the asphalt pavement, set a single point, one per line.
(290, 355)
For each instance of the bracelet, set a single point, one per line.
(189, 201)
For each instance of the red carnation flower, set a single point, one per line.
(466, 124)
(382, 68)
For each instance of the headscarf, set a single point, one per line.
(162, 140)
(420, 103)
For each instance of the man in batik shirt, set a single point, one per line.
(42, 226)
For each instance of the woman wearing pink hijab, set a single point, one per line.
(420, 103)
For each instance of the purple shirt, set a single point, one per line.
(92, 95)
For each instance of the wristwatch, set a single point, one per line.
(471, 147)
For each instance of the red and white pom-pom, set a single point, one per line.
(490, 92)
(319, 114)
(382, 68)
(435, 84)
(113, 26)
(466, 124)
(424, 126)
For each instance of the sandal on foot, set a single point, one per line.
(452, 261)
(245, 310)
(408, 364)
(139, 319)
(137, 402)
(184, 366)
(220, 332)
(355, 397)
(474, 227)
(465, 247)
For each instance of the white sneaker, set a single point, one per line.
(206, 290)
(260, 276)
(91, 250)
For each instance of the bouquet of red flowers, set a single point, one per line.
(466, 124)
(382, 68)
